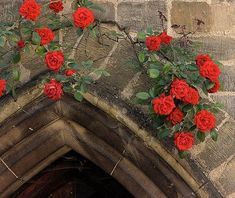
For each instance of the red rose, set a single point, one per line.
(46, 35)
(202, 58)
(2, 86)
(192, 97)
(53, 89)
(204, 120)
(21, 44)
(56, 6)
(215, 88)
(153, 43)
(83, 17)
(183, 140)
(54, 60)
(163, 105)
(165, 38)
(176, 116)
(210, 70)
(30, 10)
(70, 72)
(179, 88)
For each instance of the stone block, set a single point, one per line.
(221, 48)
(140, 15)
(228, 78)
(228, 100)
(107, 12)
(219, 151)
(185, 13)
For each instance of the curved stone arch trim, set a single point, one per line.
(31, 95)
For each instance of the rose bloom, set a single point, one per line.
(165, 38)
(210, 70)
(83, 17)
(153, 43)
(192, 97)
(215, 88)
(21, 44)
(70, 72)
(53, 89)
(176, 116)
(202, 58)
(56, 6)
(54, 60)
(30, 10)
(163, 105)
(204, 120)
(46, 35)
(2, 86)
(183, 140)
(179, 88)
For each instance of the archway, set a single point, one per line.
(44, 131)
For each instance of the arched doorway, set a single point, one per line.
(72, 176)
(44, 131)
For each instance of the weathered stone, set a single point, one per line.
(219, 151)
(107, 12)
(224, 176)
(185, 13)
(227, 78)
(221, 48)
(228, 100)
(9, 10)
(139, 15)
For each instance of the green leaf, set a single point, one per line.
(2, 41)
(16, 74)
(201, 136)
(166, 68)
(40, 50)
(141, 57)
(141, 36)
(78, 96)
(150, 30)
(153, 73)
(16, 58)
(214, 135)
(183, 154)
(79, 31)
(142, 95)
(2, 65)
(163, 133)
(36, 39)
(87, 64)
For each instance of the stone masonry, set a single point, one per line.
(210, 162)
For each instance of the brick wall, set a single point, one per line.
(217, 35)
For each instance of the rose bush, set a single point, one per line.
(181, 81)
(30, 34)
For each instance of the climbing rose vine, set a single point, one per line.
(181, 80)
(32, 34)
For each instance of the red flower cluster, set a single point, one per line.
(54, 60)
(153, 43)
(182, 91)
(204, 120)
(83, 17)
(21, 44)
(176, 116)
(209, 70)
(56, 6)
(183, 140)
(70, 72)
(163, 105)
(30, 10)
(2, 86)
(46, 35)
(53, 89)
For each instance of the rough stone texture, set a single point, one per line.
(8, 10)
(221, 48)
(107, 12)
(228, 100)
(227, 78)
(185, 13)
(139, 15)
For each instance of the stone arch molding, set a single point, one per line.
(35, 131)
